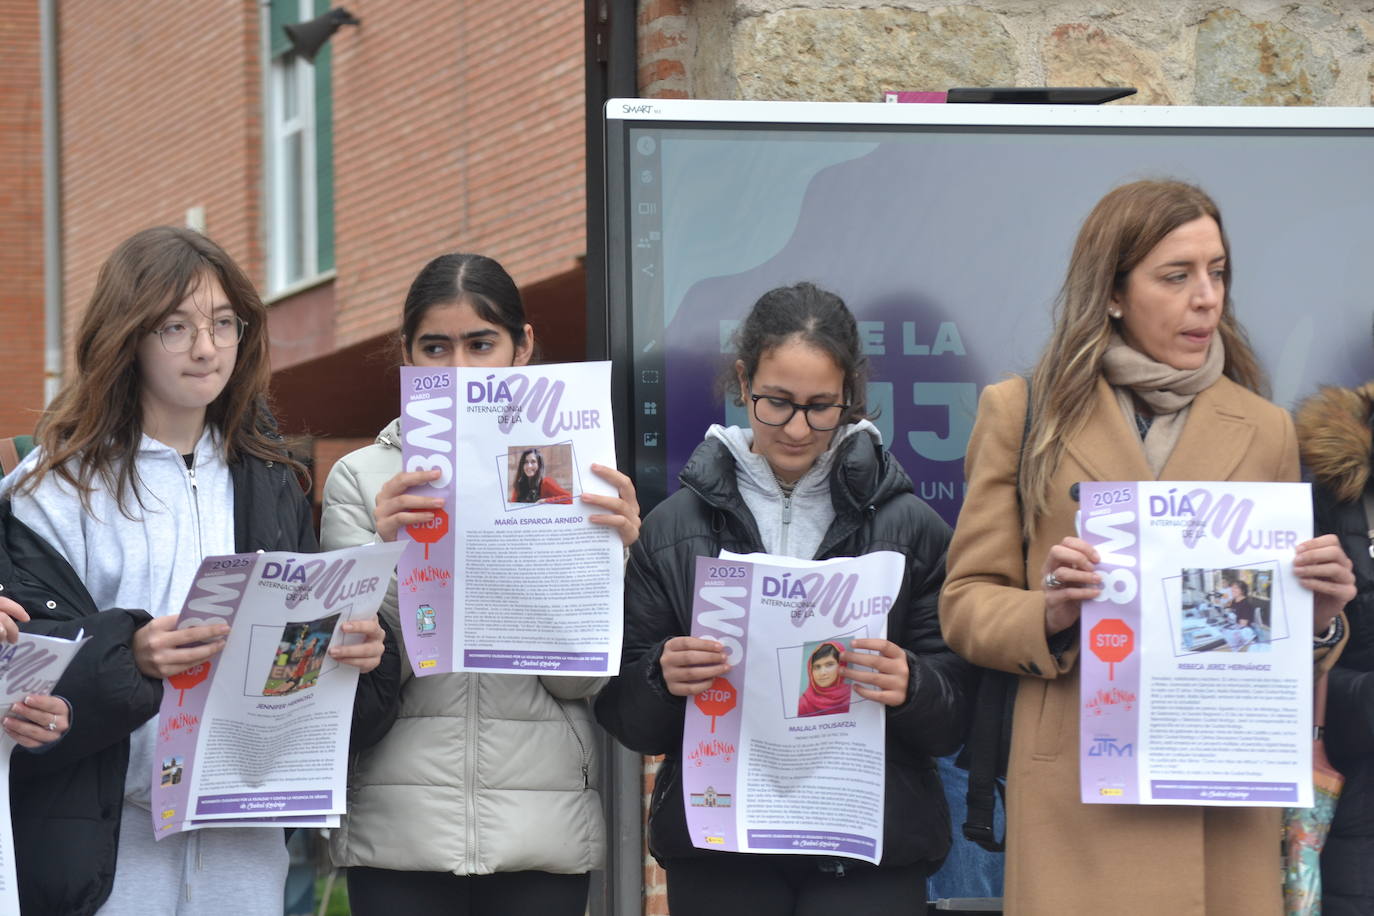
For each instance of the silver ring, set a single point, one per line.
(52, 726)
(1053, 581)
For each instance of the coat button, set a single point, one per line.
(51, 604)
(2, 586)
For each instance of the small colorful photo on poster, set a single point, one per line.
(538, 475)
(300, 654)
(811, 680)
(172, 768)
(824, 690)
(1225, 610)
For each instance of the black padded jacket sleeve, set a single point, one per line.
(377, 700)
(110, 697)
(932, 720)
(1350, 714)
(636, 707)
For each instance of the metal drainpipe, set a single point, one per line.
(52, 205)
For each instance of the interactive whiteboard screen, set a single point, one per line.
(947, 229)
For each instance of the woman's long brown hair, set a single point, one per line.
(90, 433)
(1121, 230)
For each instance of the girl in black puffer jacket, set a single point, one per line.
(808, 479)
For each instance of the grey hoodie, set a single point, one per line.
(790, 526)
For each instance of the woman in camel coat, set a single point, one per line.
(1147, 376)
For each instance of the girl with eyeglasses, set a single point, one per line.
(158, 452)
(807, 478)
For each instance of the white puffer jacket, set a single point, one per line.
(481, 773)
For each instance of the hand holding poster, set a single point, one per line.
(1197, 657)
(31, 666)
(510, 576)
(780, 755)
(258, 734)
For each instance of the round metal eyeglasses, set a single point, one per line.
(771, 411)
(180, 336)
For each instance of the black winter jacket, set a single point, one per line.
(1335, 438)
(66, 802)
(875, 509)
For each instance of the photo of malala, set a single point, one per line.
(536, 472)
(826, 693)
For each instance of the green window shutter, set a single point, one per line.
(283, 12)
(324, 151)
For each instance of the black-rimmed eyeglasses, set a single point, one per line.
(771, 411)
(180, 336)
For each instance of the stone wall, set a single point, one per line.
(1176, 52)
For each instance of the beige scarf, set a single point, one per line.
(1169, 392)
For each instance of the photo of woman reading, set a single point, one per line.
(827, 691)
(531, 486)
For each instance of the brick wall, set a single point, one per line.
(21, 219)
(160, 107)
(458, 126)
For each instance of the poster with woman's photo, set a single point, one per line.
(510, 576)
(258, 734)
(781, 755)
(1196, 670)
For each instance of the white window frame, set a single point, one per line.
(280, 129)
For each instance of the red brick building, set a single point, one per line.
(434, 126)
(21, 219)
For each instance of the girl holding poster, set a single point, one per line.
(483, 795)
(158, 452)
(1148, 375)
(808, 478)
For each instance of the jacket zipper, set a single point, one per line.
(581, 747)
(470, 773)
(786, 521)
(195, 507)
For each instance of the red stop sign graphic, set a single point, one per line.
(717, 700)
(1111, 640)
(188, 679)
(430, 532)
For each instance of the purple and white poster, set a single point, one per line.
(258, 734)
(1197, 658)
(510, 576)
(780, 755)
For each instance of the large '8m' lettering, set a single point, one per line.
(430, 435)
(1119, 585)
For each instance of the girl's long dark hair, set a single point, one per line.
(90, 433)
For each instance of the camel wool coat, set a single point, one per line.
(1065, 857)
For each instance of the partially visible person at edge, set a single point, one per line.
(158, 452)
(807, 478)
(483, 797)
(1147, 375)
(1334, 438)
(531, 486)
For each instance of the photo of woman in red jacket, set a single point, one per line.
(532, 486)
